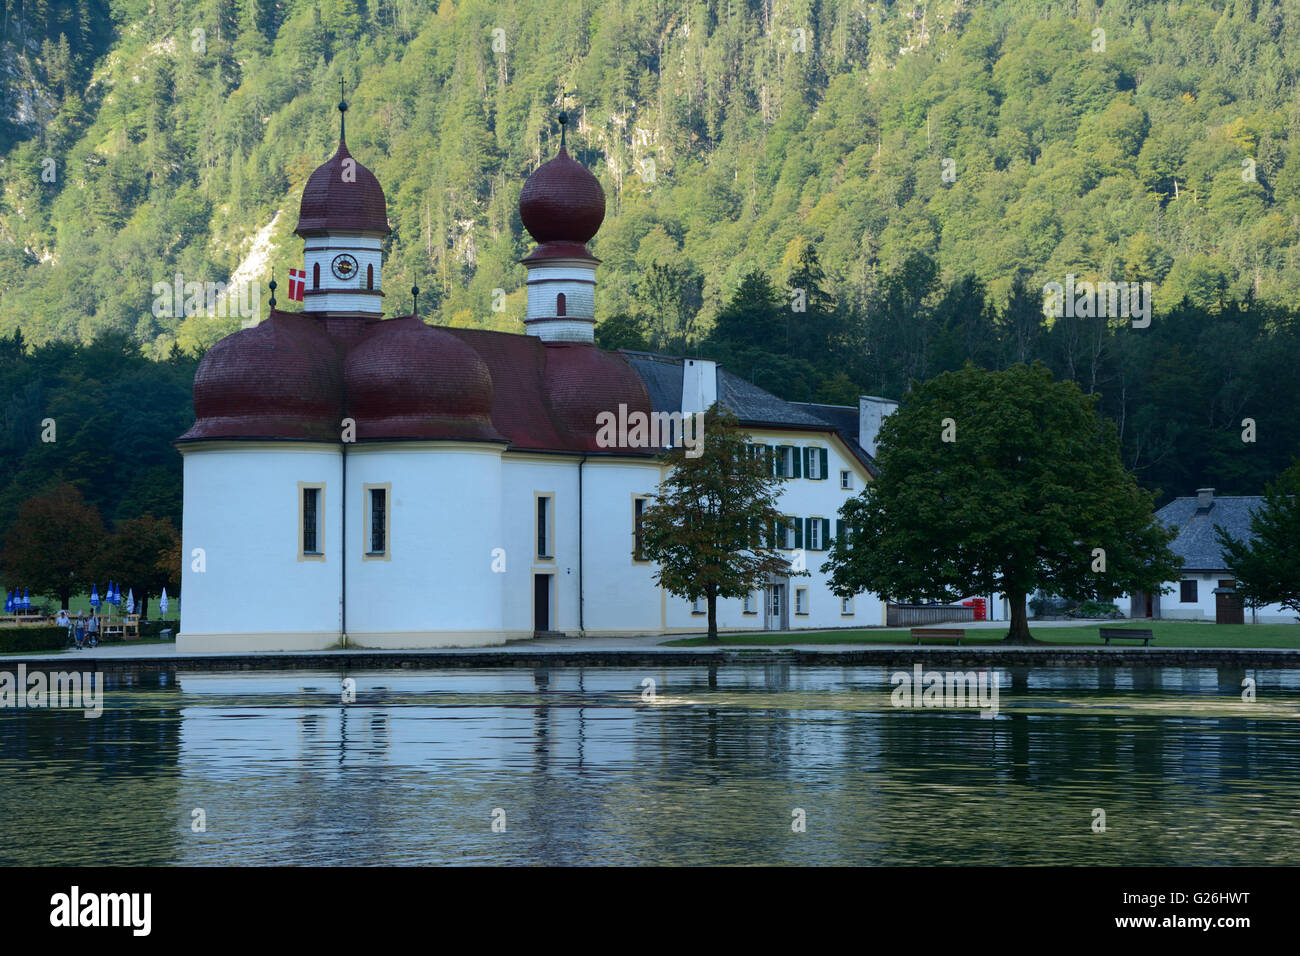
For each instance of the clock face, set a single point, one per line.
(344, 266)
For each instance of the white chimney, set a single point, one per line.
(1204, 499)
(699, 385)
(871, 412)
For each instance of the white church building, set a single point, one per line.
(361, 481)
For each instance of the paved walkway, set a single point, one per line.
(613, 651)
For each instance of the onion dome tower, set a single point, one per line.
(562, 206)
(343, 220)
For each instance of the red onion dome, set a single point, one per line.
(281, 378)
(582, 381)
(342, 195)
(408, 380)
(562, 201)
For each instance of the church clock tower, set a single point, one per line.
(343, 221)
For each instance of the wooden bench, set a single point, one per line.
(1128, 634)
(939, 634)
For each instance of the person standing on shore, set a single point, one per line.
(92, 630)
(79, 629)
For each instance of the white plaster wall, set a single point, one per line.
(561, 330)
(577, 284)
(521, 476)
(437, 587)
(621, 596)
(1172, 608)
(348, 295)
(241, 507)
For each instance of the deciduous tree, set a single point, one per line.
(1000, 482)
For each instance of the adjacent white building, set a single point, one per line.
(1205, 589)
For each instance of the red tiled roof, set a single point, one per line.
(562, 201)
(546, 394)
(403, 380)
(339, 197)
(282, 378)
(406, 380)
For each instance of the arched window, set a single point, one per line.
(370, 277)
(315, 276)
(559, 304)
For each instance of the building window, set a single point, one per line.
(544, 526)
(750, 604)
(846, 480)
(560, 304)
(638, 513)
(370, 276)
(814, 462)
(846, 607)
(789, 534)
(815, 542)
(1187, 592)
(699, 606)
(801, 600)
(315, 276)
(378, 520)
(311, 530)
(788, 461)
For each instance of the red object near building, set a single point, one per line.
(980, 607)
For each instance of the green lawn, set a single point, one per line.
(1167, 634)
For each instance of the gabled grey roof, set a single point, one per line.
(754, 406)
(662, 375)
(846, 420)
(1196, 543)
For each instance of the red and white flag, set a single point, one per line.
(297, 284)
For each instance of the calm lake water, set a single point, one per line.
(711, 771)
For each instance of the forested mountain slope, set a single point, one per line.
(723, 132)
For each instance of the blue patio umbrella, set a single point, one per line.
(162, 603)
(9, 602)
(27, 600)
(114, 595)
(94, 596)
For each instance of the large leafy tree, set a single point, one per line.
(1267, 565)
(143, 554)
(710, 525)
(54, 545)
(1000, 482)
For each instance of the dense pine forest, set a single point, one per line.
(832, 197)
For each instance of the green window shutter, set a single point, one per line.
(796, 459)
(839, 532)
(803, 453)
(825, 462)
(826, 533)
(780, 533)
(798, 532)
(771, 460)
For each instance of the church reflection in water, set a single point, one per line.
(682, 765)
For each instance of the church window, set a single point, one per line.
(315, 276)
(545, 526)
(378, 520)
(311, 536)
(370, 276)
(560, 304)
(638, 516)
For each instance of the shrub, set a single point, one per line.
(33, 638)
(1095, 609)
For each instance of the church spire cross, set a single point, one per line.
(564, 125)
